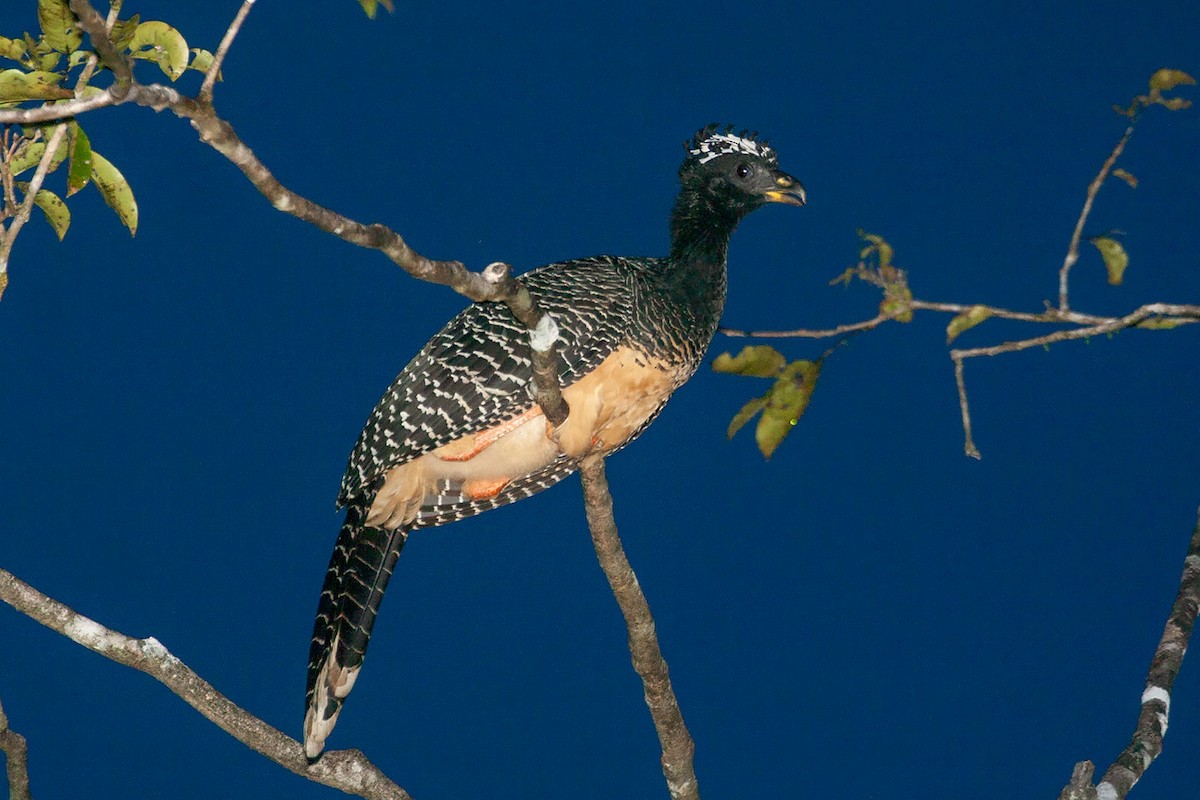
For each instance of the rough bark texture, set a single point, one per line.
(677, 745)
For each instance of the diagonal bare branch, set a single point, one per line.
(1147, 741)
(1093, 189)
(348, 770)
(16, 759)
(677, 745)
(205, 94)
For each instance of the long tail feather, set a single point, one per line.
(358, 573)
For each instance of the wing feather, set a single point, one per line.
(475, 372)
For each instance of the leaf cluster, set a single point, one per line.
(45, 63)
(783, 404)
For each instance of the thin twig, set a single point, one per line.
(16, 759)
(1093, 189)
(805, 333)
(22, 216)
(348, 770)
(1174, 314)
(968, 440)
(677, 745)
(205, 94)
(1147, 741)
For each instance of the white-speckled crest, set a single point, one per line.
(719, 144)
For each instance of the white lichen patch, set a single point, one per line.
(543, 337)
(92, 634)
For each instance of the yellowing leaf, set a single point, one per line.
(159, 42)
(1166, 79)
(79, 169)
(17, 86)
(1161, 323)
(59, 26)
(1174, 103)
(1114, 255)
(115, 190)
(56, 211)
(897, 303)
(785, 404)
(761, 361)
(745, 415)
(1126, 176)
(372, 6)
(878, 245)
(966, 320)
(12, 49)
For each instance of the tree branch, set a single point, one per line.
(16, 759)
(1093, 189)
(348, 770)
(494, 284)
(1147, 741)
(677, 745)
(205, 95)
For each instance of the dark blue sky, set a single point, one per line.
(869, 614)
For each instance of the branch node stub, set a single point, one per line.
(496, 272)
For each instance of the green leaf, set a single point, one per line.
(56, 211)
(1114, 255)
(785, 404)
(966, 320)
(17, 86)
(201, 61)
(27, 156)
(12, 49)
(745, 415)
(1126, 176)
(159, 42)
(79, 169)
(59, 26)
(123, 31)
(116, 192)
(1165, 80)
(760, 361)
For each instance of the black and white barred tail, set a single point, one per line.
(358, 573)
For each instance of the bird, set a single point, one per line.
(458, 432)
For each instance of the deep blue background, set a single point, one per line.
(869, 614)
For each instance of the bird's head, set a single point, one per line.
(736, 171)
(724, 177)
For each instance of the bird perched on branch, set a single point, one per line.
(458, 432)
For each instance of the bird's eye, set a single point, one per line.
(742, 170)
